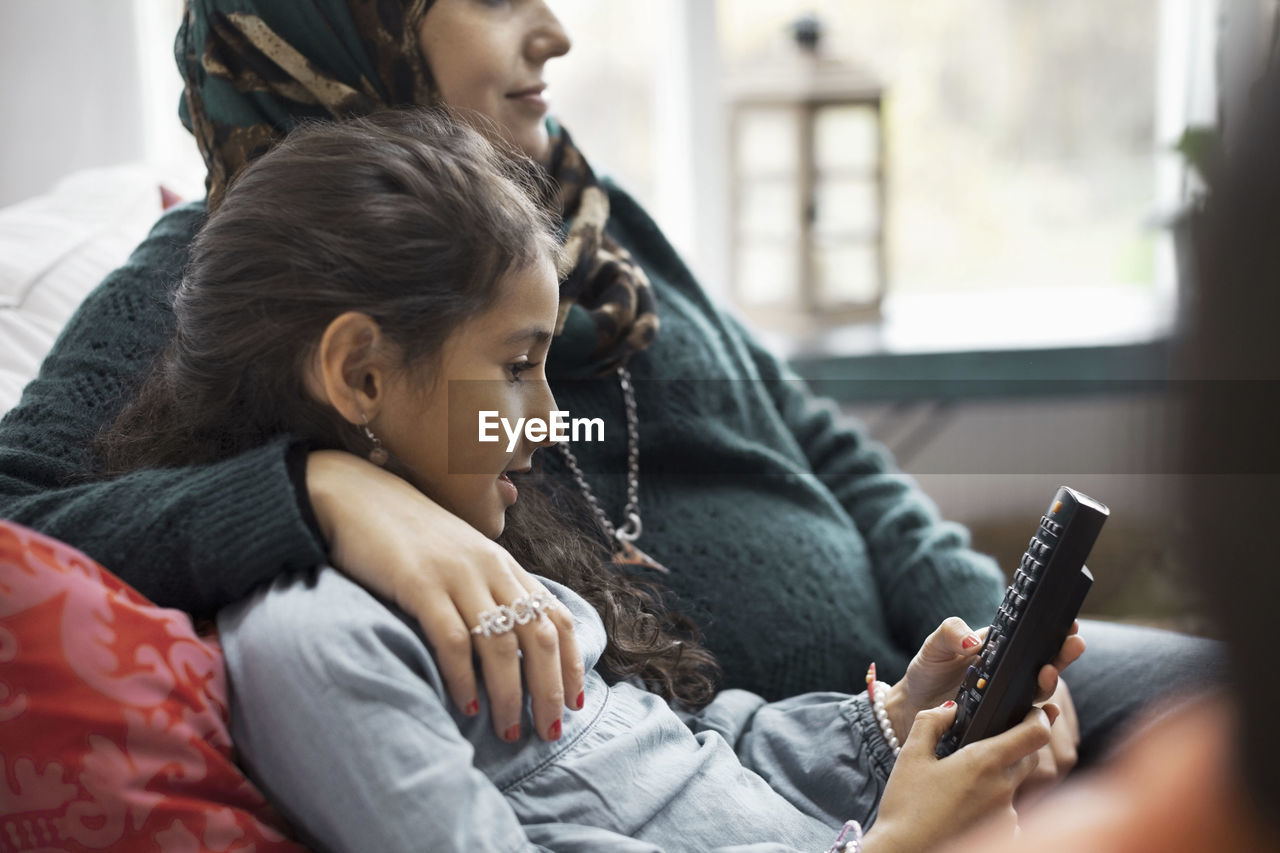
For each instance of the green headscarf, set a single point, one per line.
(255, 69)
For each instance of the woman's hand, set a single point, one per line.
(929, 800)
(395, 541)
(937, 670)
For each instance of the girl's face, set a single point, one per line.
(487, 57)
(495, 362)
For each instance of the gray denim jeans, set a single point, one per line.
(1128, 672)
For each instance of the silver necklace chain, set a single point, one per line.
(630, 531)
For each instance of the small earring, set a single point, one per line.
(378, 455)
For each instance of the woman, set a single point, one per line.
(374, 287)
(765, 510)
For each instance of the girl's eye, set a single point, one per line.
(518, 367)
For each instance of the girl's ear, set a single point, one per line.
(348, 368)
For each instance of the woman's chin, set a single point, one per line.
(534, 142)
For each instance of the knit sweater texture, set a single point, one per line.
(790, 537)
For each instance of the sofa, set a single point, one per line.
(114, 727)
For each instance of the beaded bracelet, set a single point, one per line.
(854, 844)
(877, 705)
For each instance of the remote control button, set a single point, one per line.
(1050, 525)
(982, 682)
(994, 661)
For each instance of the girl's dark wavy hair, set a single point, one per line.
(413, 219)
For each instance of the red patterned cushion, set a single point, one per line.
(113, 717)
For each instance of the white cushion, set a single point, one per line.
(54, 249)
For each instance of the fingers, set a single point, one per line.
(1047, 679)
(552, 665)
(1046, 683)
(572, 670)
(535, 648)
(540, 644)
(1055, 760)
(1013, 747)
(928, 728)
(953, 637)
(500, 663)
(478, 593)
(450, 637)
(1072, 648)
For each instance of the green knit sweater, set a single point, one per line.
(790, 537)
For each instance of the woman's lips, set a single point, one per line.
(534, 99)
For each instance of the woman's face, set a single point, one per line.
(487, 57)
(430, 417)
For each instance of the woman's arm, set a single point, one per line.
(925, 569)
(193, 538)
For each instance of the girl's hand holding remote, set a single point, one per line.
(935, 673)
(930, 800)
(938, 669)
(398, 543)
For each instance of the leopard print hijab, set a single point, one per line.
(254, 69)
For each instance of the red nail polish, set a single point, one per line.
(473, 708)
(512, 734)
(969, 642)
(582, 700)
(553, 733)
(949, 704)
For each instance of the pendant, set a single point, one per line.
(627, 554)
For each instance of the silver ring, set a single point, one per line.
(504, 617)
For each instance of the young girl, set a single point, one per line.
(370, 288)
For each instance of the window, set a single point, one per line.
(1020, 132)
(1027, 141)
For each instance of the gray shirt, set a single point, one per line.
(340, 713)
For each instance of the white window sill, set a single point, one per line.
(994, 321)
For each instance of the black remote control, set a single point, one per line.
(1038, 609)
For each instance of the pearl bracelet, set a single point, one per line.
(876, 691)
(853, 830)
